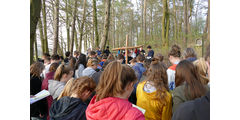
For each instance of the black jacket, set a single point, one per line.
(198, 109)
(39, 107)
(68, 108)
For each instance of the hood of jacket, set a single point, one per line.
(191, 59)
(68, 108)
(88, 72)
(55, 88)
(112, 108)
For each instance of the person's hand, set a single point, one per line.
(41, 116)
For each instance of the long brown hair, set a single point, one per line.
(78, 86)
(114, 80)
(62, 69)
(36, 69)
(83, 83)
(202, 68)
(158, 75)
(187, 72)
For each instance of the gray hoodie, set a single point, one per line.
(55, 88)
(88, 72)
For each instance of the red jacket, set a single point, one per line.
(112, 108)
(49, 76)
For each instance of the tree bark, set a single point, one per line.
(73, 27)
(35, 9)
(95, 23)
(113, 26)
(67, 25)
(41, 35)
(45, 27)
(145, 19)
(175, 22)
(185, 23)
(163, 22)
(36, 49)
(82, 25)
(56, 25)
(206, 32)
(106, 24)
(75, 38)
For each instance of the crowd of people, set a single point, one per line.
(99, 85)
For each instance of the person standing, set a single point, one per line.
(107, 51)
(80, 65)
(174, 58)
(142, 51)
(190, 55)
(150, 52)
(66, 60)
(98, 51)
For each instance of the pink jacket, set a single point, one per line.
(112, 108)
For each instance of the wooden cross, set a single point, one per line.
(126, 49)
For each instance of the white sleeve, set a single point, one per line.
(171, 79)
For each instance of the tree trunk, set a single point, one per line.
(206, 32)
(75, 38)
(175, 22)
(67, 25)
(185, 23)
(142, 5)
(208, 22)
(113, 26)
(36, 49)
(167, 27)
(85, 42)
(45, 27)
(106, 24)
(35, 9)
(145, 19)
(41, 35)
(73, 26)
(56, 25)
(95, 23)
(163, 22)
(82, 25)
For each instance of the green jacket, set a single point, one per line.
(179, 96)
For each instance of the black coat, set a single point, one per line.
(68, 108)
(198, 109)
(39, 107)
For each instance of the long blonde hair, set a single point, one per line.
(36, 69)
(202, 68)
(62, 69)
(114, 80)
(67, 89)
(78, 86)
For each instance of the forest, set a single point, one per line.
(57, 26)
